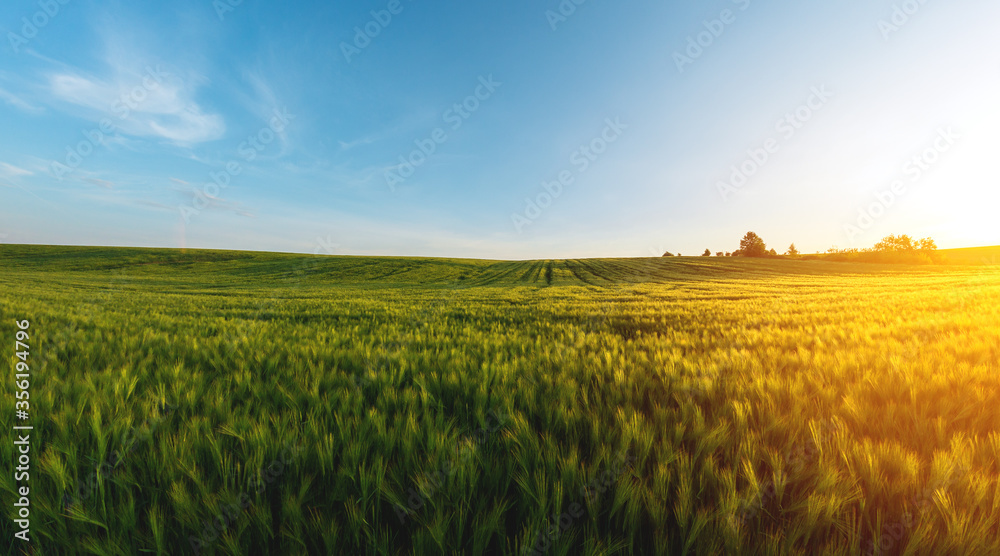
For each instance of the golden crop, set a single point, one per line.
(239, 403)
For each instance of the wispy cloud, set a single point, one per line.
(263, 104)
(190, 197)
(342, 175)
(357, 142)
(147, 102)
(10, 176)
(154, 204)
(19, 103)
(10, 171)
(418, 120)
(103, 183)
(138, 94)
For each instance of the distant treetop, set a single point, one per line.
(752, 246)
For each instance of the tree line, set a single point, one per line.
(890, 249)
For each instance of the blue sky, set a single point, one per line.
(673, 125)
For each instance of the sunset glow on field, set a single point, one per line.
(525, 278)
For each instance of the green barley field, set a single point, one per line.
(219, 402)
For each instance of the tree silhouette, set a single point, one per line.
(896, 244)
(752, 246)
(707, 253)
(892, 249)
(792, 250)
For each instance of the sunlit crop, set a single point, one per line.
(260, 403)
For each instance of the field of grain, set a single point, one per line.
(249, 403)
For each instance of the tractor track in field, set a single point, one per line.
(593, 272)
(573, 266)
(493, 274)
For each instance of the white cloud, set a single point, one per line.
(82, 91)
(147, 102)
